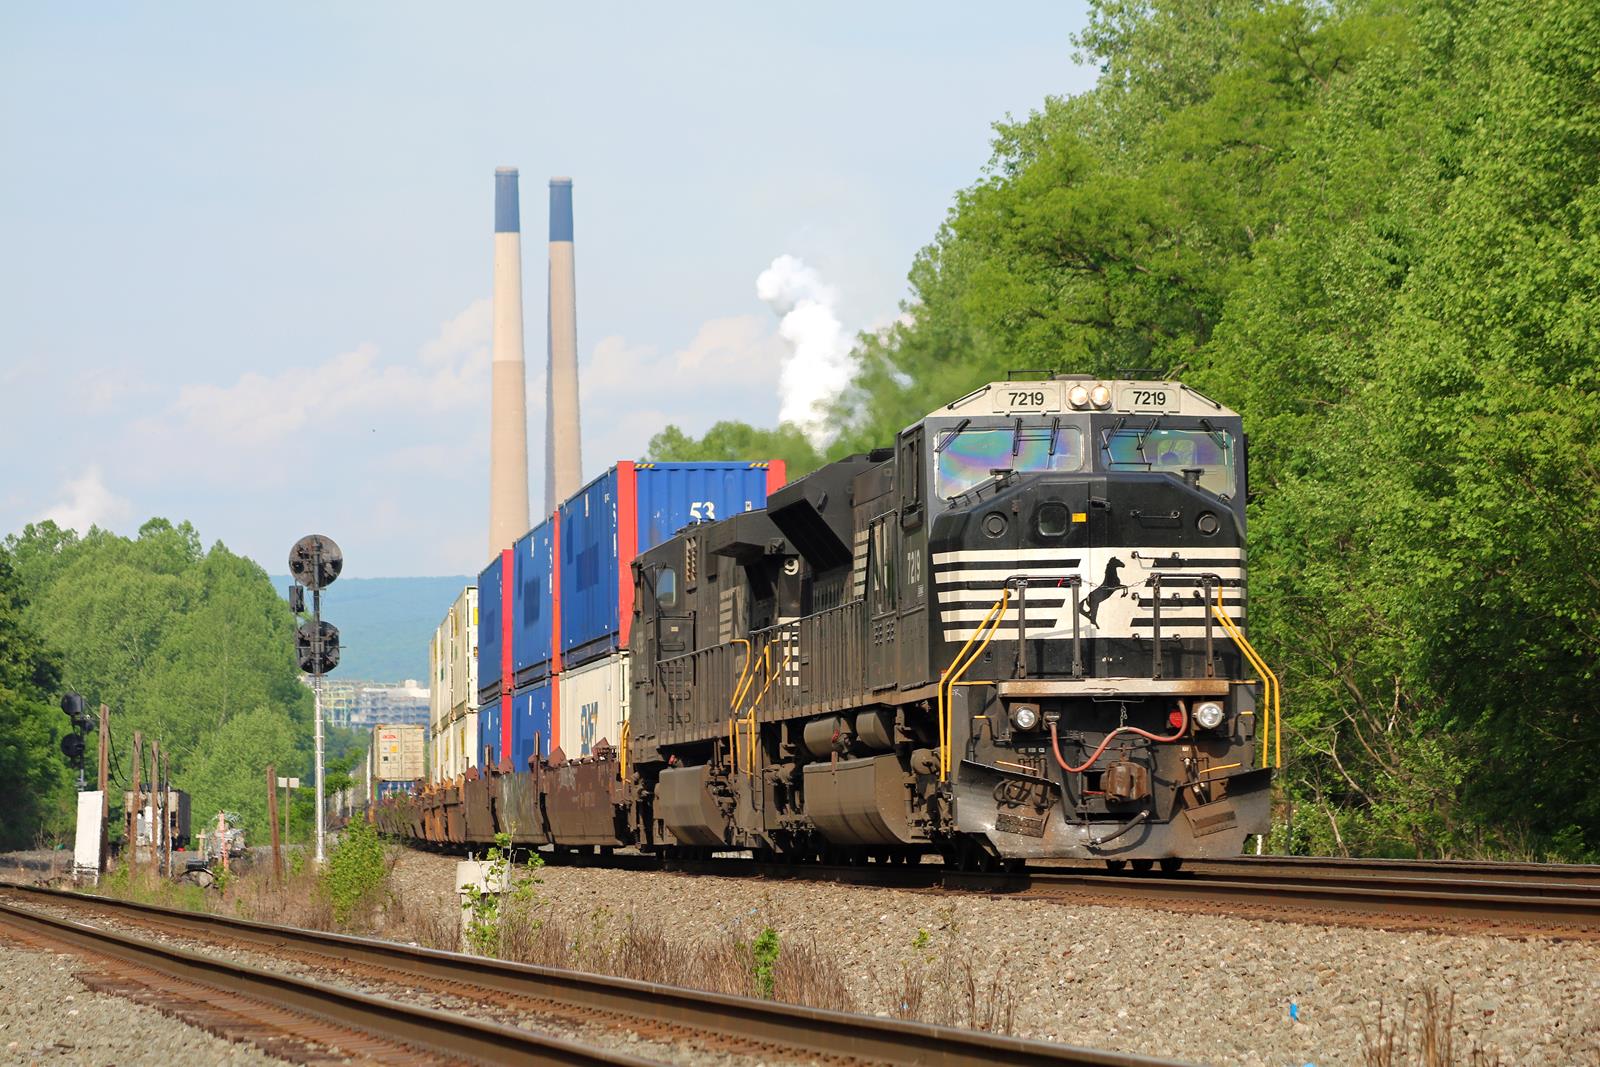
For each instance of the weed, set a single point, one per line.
(504, 901)
(355, 872)
(921, 941)
(764, 960)
(1426, 1038)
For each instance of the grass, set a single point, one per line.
(1424, 1034)
(355, 895)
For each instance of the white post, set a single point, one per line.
(316, 691)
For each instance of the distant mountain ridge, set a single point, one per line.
(385, 623)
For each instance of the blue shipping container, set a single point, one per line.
(628, 509)
(490, 623)
(534, 573)
(489, 736)
(531, 708)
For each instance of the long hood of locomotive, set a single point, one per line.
(1127, 539)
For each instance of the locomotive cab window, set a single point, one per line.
(667, 587)
(969, 457)
(1161, 450)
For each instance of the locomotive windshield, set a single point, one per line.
(967, 457)
(1154, 448)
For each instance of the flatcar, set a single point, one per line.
(1018, 634)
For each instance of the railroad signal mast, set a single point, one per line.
(315, 562)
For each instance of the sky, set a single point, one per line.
(245, 251)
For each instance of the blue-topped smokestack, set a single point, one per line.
(508, 433)
(560, 209)
(507, 215)
(563, 463)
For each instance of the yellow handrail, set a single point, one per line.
(749, 662)
(958, 667)
(1272, 739)
(750, 718)
(622, 759)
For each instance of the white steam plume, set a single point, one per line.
(818, 366)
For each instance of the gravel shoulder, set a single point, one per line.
(1199, 988)
(48, 1016)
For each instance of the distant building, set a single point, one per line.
(363, 705)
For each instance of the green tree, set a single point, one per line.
(35, 788)
(737, 441)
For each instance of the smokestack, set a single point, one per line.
(508, 432)
(563, 471)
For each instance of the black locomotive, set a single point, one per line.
(1014, 635)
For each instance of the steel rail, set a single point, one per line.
(422, 1028)
(1568, 907)
(812, 1030)
(1575, 874)
(1564, 909)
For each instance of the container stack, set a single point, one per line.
(553, 670)
(397, 760)
(453, 689)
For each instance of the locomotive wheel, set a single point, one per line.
(1171, 865)
(1116, 866)
(1143, 866)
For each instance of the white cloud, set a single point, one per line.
(86, 502)
(251, 426)
(728, 370)
(818, 367)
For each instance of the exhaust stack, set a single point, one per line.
(508, 432)
(563, 472)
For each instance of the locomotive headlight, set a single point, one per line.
(1078, 396)
(1208, 715)
(1100, 396)
(1024, 716)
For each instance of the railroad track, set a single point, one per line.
(1543, 900)
(313, 1020)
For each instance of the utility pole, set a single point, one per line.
(272, 820)
(166, 813)
(138, 801)
(105, 782)
(315, 561)
(157, 799)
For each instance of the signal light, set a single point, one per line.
(72, 747)
(317, 646)
(1175, 718)
(72, 704)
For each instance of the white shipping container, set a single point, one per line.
(438, 679)
(399, 753)
(455, 745)
(594, 705)
(463, 650)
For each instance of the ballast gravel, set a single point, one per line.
(1207, 989)
(47, 1016)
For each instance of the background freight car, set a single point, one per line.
(489, 735)
(398, 754)
(534, 614)
(630, 508)
(594, 705)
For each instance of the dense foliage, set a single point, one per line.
(33, 774)
(1374, 228)
(192, 648)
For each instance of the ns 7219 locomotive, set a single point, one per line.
(1016, 635)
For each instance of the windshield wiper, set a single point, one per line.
(1138, 442)
(1216, 434)
(944, 443)
(1016, 440)
(1055, 432)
